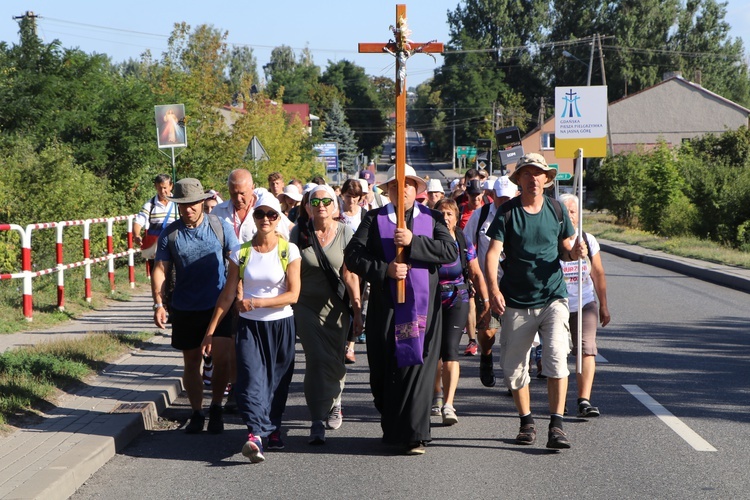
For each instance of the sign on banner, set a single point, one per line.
(581, 121)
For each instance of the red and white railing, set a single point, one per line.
(27, 274)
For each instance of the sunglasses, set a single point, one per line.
(259, 214)
(317, 201)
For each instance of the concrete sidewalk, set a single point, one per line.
(54, 458)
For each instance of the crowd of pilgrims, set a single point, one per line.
(241, 279)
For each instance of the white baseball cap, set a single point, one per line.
(504, 187)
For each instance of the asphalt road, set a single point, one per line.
(683, 342)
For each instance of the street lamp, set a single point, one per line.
(571, 56)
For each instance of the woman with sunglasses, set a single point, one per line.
(266, 330)
(322, 312)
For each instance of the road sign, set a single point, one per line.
(466, 151)
(328, 154)
(564, 176)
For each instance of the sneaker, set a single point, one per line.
(487, 370)
(449, 415)
(471, 348)
(557, 439)
(416, 448)
(317, 433)
(196, 423)
(526, 435)
(215, 419)
(230, 406)
(585, 410)
(335, 417)
(362, 339)
(437, 404)
(275, 442)
(253, 449)
(349, 358)
(208, 370)
(228, 389)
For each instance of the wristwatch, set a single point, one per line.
(157, 306)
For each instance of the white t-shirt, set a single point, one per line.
(353, 221)
(264, 277)
(570, 270)
(481, 246)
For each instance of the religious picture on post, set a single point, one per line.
(170, 125)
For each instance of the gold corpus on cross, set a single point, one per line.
(401, 47)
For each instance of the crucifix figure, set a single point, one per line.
(402, 48)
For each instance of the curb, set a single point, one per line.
(86, 447)
(736, 278)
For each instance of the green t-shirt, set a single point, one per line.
(533, 277)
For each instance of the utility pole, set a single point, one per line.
(540, 119)
(604, 82)
(591, 57)
(29, 15)
(454, 137)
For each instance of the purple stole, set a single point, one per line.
(411, 316)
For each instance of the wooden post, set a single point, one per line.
(401, 48)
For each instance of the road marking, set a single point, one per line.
(689, 435)
(601, 359)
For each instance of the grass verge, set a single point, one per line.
(602, 225)
(31, 376)
(45, 311)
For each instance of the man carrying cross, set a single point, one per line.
(403, 340)
(398, 249)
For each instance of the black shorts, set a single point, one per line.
(189, 328)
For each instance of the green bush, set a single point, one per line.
(620, 185)
(661, 187)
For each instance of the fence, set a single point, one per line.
(27, 274)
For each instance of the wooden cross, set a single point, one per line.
(401, 48)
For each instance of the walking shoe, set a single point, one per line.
(253, 449)
(335, 417)
(362, 338)
(231, 404)
(471, 348)
(208, 370)
(317, 433)
(437, 404)
(449, 415)
(349, 358)
(275, 442)
(487, 370)
(215, 419)
(557, 440)
(196, 423)
(526, 435)
(228, 389)
(585, 410)
(416, 448)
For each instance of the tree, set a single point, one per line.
(364, 113)
(337, 130)
(702, 43)
(243, 71)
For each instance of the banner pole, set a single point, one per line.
(579, 326)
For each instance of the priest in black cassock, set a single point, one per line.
(403, 340)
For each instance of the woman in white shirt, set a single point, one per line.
(593, 281)
(270, 270)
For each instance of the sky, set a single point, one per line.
(331, 29)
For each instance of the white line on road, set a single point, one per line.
(601, 359)
(674, 423)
